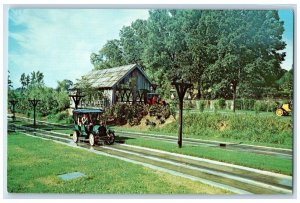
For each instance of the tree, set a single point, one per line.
(86, 88)
(286, 82)
(166, 54)
(247, 51)
(109, 56)
(23, 80)
(64, 85)
(132, 41)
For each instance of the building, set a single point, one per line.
(127, 83)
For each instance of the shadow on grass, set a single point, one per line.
(122, 139)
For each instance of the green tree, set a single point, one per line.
(166, 54)
(23, 80)
(247, 51)
(64, 85)
(132, 41)
(109, 56)
(286, 82)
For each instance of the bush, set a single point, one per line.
(221, 103)
(238, 104)
(216, 106)
(248, 104)
(62, 116)
(201, 105)
(268, 106)
(257, 106)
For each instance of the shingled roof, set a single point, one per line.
(108, 78)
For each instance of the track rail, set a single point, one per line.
(279, 152)
(238, 179)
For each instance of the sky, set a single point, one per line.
(287, 17)
(58, 42)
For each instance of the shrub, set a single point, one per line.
(221, 103)
(258, 106)
(248, 104)
(216, 106)
(238, 104)
(62, 115)
(201, 105)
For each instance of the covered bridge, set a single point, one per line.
(127, 83)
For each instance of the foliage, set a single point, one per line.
(122, 113)
(201, 105)
(51, 101)
(109, 56)
(224, 53)
(64, 85)
(268, 106)
(221, 103)
(243, 127)
(90, 93)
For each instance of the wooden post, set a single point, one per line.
(34, 102)
(76, 97)
(181, 88)
(13, 103)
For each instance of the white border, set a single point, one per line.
(159, 4)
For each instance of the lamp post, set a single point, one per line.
(13, 105)
(76, 97)
(181, 88)
(34, 103)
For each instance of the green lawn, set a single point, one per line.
(33, 166)
(259, 161)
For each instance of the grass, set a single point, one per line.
(245, 126)
(33, 165)
(264, 162)
(248, 128)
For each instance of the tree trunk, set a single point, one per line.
(234, 97)
(199, 90)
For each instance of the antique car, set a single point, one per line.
(88, 126)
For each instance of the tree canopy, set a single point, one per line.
(224, 53)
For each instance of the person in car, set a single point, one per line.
(102, 129)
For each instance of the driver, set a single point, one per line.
(85, 121)
(102, 129)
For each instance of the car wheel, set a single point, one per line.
(92, 139)
(75, 136)
(279, 112)
(111, 139)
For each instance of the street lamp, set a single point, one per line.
(34, 103)
(181, 88)
(76, 97)
(13, 105)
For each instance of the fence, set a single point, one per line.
(240, 104)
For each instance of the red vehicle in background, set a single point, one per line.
(154, 99)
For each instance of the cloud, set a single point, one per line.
(288, 61)
(58, 42)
